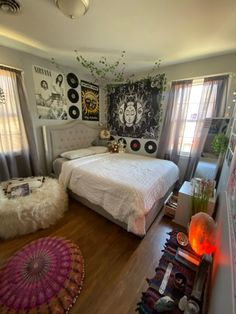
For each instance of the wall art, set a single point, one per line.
(90, 101)
(134, 109)
(50, 93)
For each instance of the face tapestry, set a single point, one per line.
(50, 94)
(90, 101)
(134, 109)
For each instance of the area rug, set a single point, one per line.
(151, 295)
(44, 276)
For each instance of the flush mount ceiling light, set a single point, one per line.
(10, 6)
(73, 8)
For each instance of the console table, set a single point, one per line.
(152, 294)
(184, 205)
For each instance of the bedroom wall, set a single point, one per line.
(194, 69)
(24, 61)
(225, 64)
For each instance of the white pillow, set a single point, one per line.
(98, 149)
(77, 153)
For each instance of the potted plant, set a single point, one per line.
(219, 143)
(203, 190)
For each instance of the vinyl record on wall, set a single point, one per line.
(122, 140)
(74, 112)
(135, 145)
(72, 80)
(73, 95)
(150, 147)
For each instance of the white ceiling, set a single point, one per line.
(172, 30)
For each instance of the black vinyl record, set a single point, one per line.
(123, 141)
(73, 95)
(74, 112)
(150, 147)
(135, 145)
(72, 80)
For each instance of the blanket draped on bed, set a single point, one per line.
(125, 185)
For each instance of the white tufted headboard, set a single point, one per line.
(65, 137)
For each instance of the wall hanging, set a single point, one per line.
(50, 93)
(135, 110)
(90, 101)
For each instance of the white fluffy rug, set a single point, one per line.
(39, 210)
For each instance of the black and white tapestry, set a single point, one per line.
(134, 110)
(90, 101)
(50, 93)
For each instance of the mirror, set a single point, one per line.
(211, 160)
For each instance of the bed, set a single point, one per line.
(128, 189)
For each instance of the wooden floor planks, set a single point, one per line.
(117, 263)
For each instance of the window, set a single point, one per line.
(12, 131)
(193, 116)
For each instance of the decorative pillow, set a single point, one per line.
(114, 147)
(100, 142)
(99, 149)
(77, 153)
(104, 134)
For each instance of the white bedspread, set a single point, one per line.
(125, 185)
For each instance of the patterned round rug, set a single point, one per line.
(44, 276)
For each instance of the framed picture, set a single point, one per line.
(229, 157)
(20, 190)
(234, 127)
(232, 142)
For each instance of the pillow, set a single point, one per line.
(99, 149)
(104, 134)
(100, 142)
(77, 153)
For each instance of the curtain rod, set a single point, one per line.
(231, 74)
(11, 67)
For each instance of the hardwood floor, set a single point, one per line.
(116, 262)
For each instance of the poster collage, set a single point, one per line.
(64, 97)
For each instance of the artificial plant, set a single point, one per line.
(220, 143)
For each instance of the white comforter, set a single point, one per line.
(125, 185)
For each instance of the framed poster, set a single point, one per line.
(49, 93)
(90, 101)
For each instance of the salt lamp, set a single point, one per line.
(202, 234)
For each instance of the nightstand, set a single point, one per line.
(183, 210)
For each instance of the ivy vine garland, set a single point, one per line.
(104, 71)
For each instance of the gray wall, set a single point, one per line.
(204, 67)
(24, 62)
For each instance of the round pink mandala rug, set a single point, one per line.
(44, 276)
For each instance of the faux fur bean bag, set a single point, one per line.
(39, 210)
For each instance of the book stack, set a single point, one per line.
(171, 205)
(19, 190)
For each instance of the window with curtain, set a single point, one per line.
(193, 117)
(190, 103)
(12, 131)
(17, 144)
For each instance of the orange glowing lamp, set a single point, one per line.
(202, 234)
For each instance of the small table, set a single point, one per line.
(153, 294)
(183, 210)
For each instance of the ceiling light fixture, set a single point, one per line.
(9, 6)
(73, 8)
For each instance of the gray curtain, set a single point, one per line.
(212, 104)
(18, 154)
(30, 131)
(214, 93)
(173, 125)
